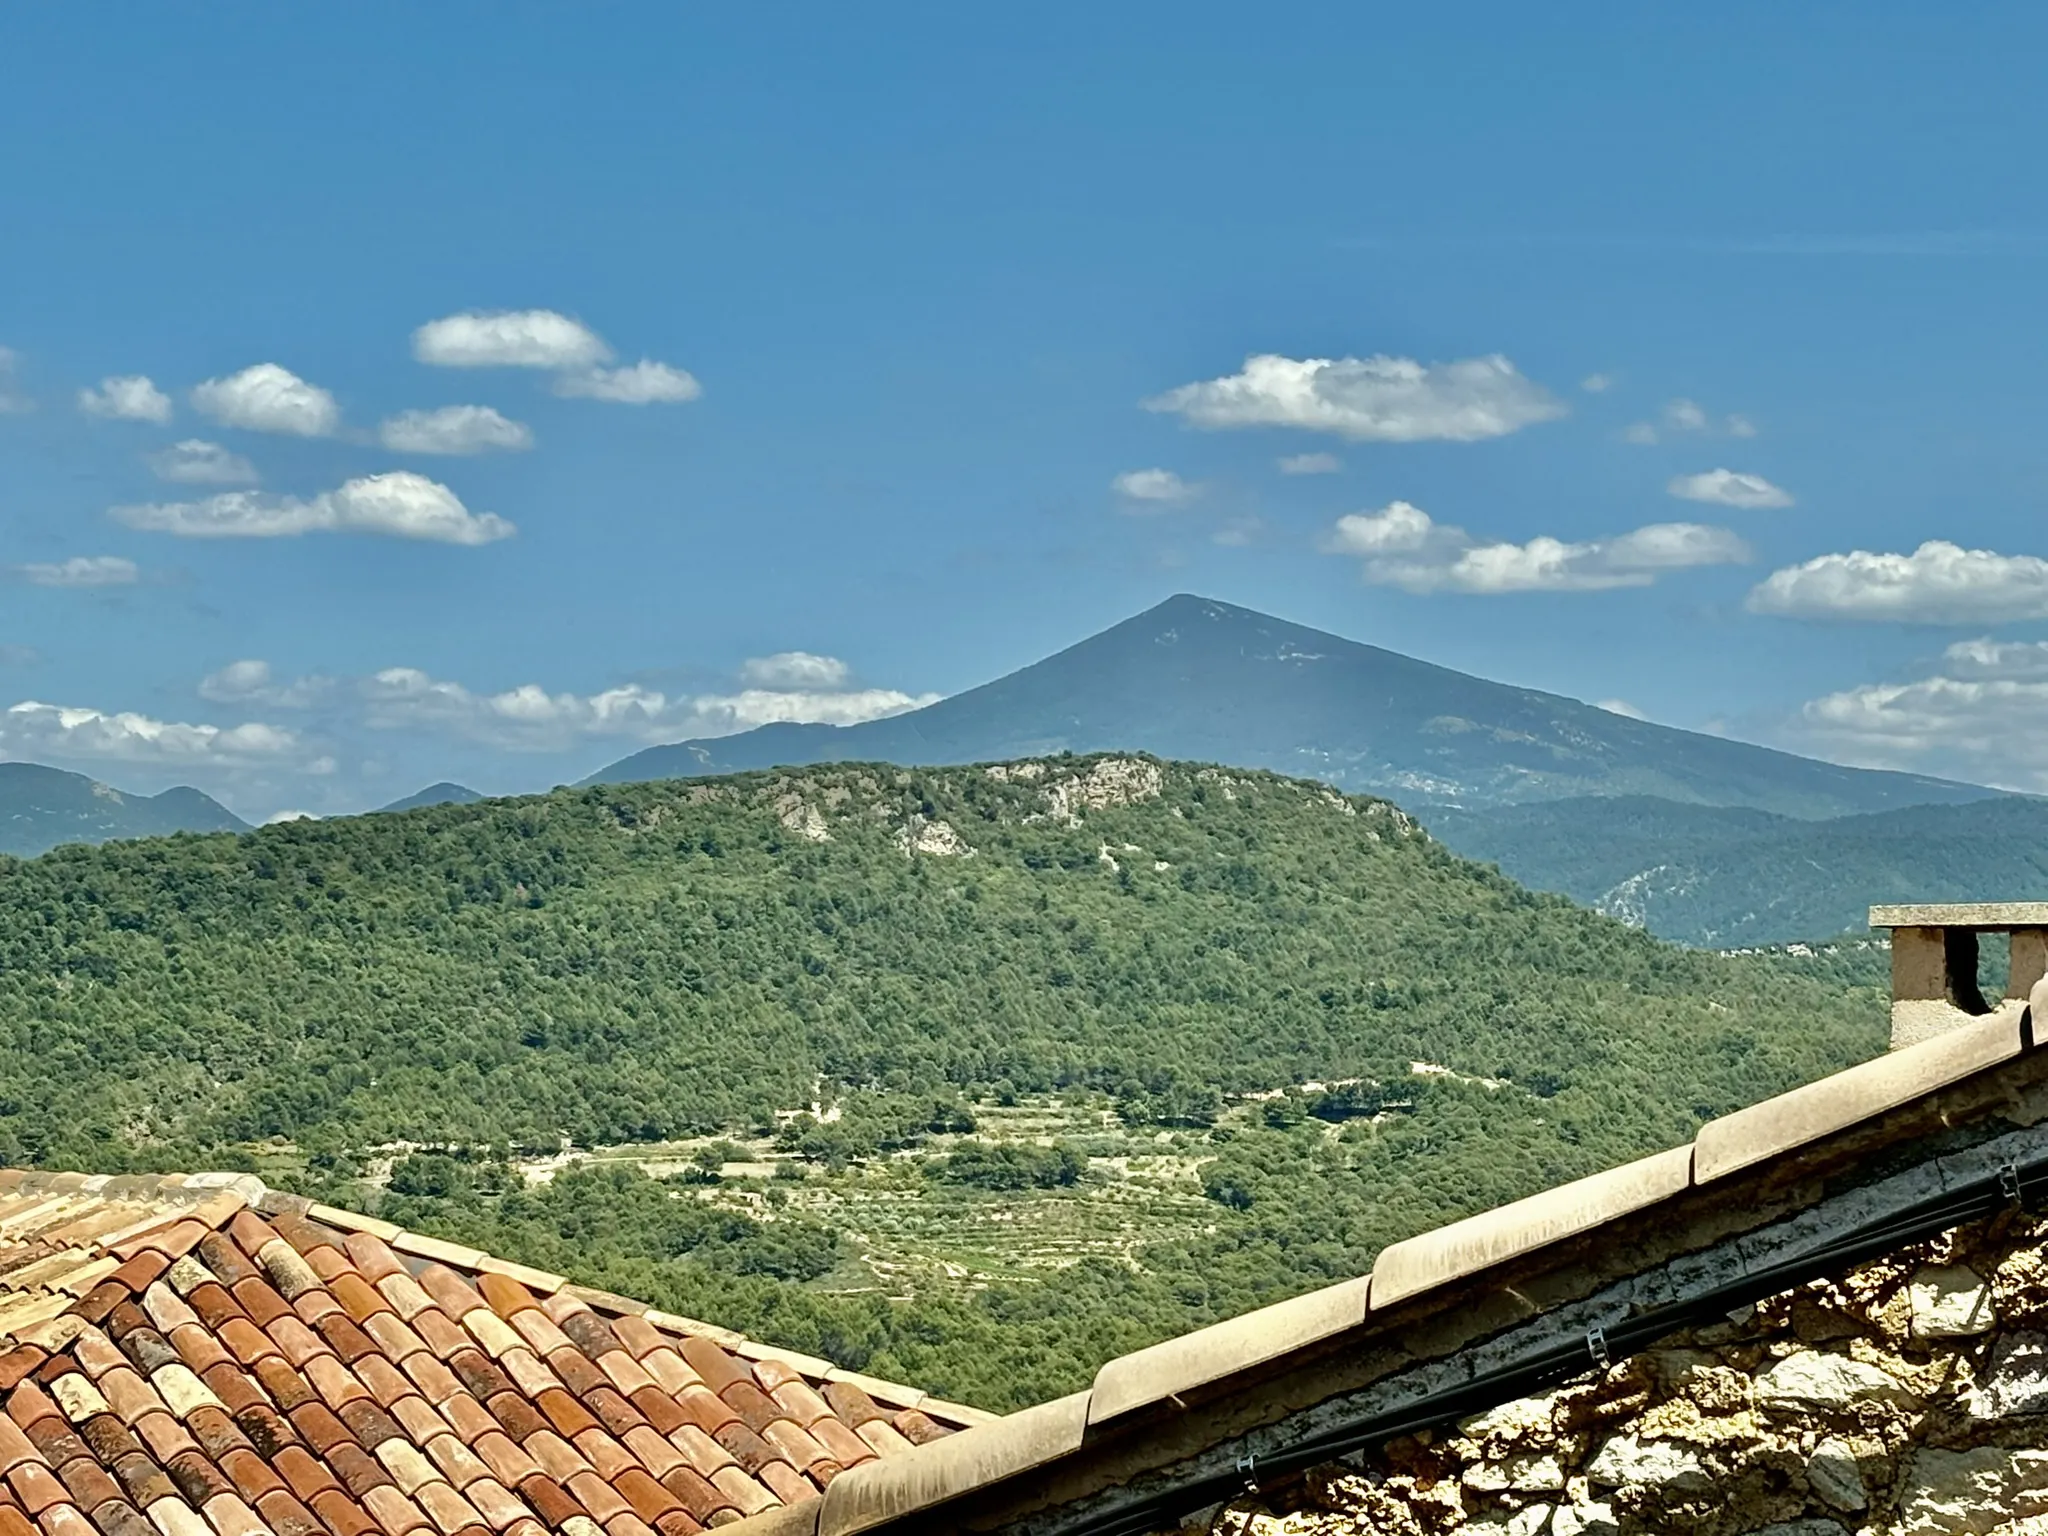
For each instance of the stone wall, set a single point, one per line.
(1907, 1396)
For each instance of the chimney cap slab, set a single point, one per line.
(1962, 914)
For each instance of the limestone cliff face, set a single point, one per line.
(1905, 1398)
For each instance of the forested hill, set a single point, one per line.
(621, 963)
(1196, 678)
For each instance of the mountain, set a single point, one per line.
(907, 950)
(41, 808)
(443, 793)
(1203, 680)
(1727, 876)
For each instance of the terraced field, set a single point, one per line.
(912, 1235)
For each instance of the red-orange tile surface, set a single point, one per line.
(247, 1372)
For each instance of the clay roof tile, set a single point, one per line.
(341, 1514)
(286, 1516)
(451, 1293)
(418, 1419)
(440, 1332)
(372, 1256)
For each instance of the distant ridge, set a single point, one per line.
(43, 808)
(1196, 679)
(1726, 877)
(444, 793)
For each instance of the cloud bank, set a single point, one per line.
(454, 429)
(82, 571)
(1402, 546)
(547, 339)
(399, 505)
(1729, 488)
(1939, 583)
(196, 462)
(269, 398)
(127, 397)
(1156, 487)
(1373, 399)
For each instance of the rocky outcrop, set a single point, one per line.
(1906, 1398)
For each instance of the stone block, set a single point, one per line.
(1835, 1478)
(1950, 1302)
(2016, 1382)
(1813, 1380)
(1627, 1461)
(1950, 1492)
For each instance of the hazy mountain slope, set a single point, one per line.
(444, 793)
(41, 808)
(1721, 876)
(1202, 680)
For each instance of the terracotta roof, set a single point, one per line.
(198, 1356)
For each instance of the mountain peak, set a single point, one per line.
(1199, 679)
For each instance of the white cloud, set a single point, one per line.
(543, 338)
(1988, 658)
(1597, 383)
(526, 338)
(267, 398)
(1982, 716)
(195, 462)
(454, 429)
(82, 571)
(1684, 416)
(1939, 583)
(126, 397)
(643, 383)
(12, 400)
(1373, 399)
(529, 718)
(1399, 527)
(1310, 464)
(400, 504)
(794, 669)
(1730, 488)
(1160, 487)
(1402, 546)
(1621, 707)
(1992, 731)
(51, 730)
(251, 681)
(277, 818)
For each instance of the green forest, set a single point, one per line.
(639, 963)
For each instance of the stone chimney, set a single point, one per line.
(1934, 962)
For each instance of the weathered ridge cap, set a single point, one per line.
(1179, 1365)
(877, 1492)
(1478, 1243)
(1804, 1115)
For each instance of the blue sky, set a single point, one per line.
(811, 348)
